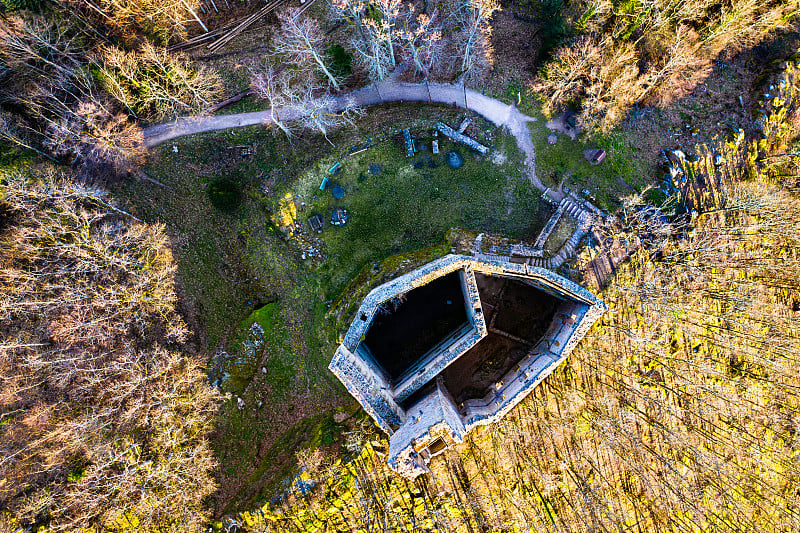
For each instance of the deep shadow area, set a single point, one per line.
(516, 307)
(474, 372)
(517, 316)
(408, 326)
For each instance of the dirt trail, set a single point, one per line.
(495, 111)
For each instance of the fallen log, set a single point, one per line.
(244, 24)
(232, 100)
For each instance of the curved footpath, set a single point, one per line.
(387, 91)
(495, 111)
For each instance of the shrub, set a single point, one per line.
(342, 61)
(18, 5)
(225, 194)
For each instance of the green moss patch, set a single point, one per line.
(413, 201)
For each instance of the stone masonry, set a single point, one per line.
(417, 409)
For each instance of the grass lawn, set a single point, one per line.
(560, 235)
(621, 174)
(230, 264)
(626, 170)
(247, 291)
(403, 208)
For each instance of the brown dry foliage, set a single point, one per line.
(96, 137)
(62, 112)
(161, 20)
(104, 420)
(650, 52)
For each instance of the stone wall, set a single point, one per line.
(366, 387)
(545, 357)
(435, 415)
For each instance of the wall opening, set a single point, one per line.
(437, 446)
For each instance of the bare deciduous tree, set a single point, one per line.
(564, 77)
(604, 75)
(389, 14)
(475, 40)
(377, 29)
(371, 53)
(165, 20)
(320, 113)
(64, 112)
(422, 40)
(664, 48)
(95, 137)
(15, 131)
(680, 66)
(301, 39)
(155, 83)
(103, 425)
(297, 100)
(277, 86)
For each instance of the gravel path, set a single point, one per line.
(493, 110)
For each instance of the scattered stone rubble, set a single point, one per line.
(463, 139)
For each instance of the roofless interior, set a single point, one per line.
(408, 326)
(517, 317)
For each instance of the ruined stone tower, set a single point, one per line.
(455, 344)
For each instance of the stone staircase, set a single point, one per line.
(567, 206)
(572, 209)
(491, 257)
(584, 217)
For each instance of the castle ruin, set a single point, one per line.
(455, 344)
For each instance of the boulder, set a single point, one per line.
(455, 160)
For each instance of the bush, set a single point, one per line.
(157, 84)
(18, 5)
(342, 61)
(225, 194)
